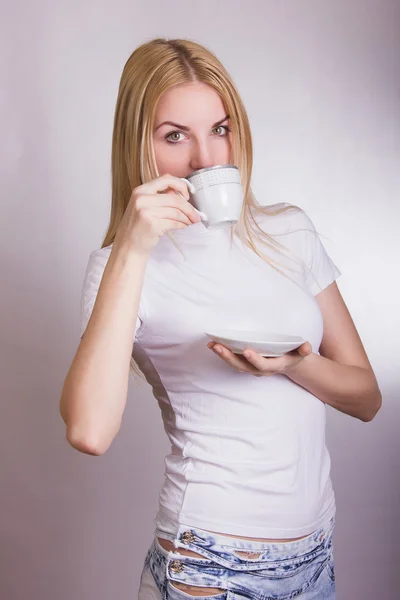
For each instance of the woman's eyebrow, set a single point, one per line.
(184, 128)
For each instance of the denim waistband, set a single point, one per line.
(202, 541)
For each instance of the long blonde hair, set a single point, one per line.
(151, 70)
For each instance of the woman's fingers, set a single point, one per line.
(241, 363)
(254, 363)
(167, 212)
(305, 349)
(234, 360)
(162, 183)
(176, 200)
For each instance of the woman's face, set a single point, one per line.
(197, 135)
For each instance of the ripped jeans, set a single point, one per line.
(240, 569)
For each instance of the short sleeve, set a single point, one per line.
(294, 229)
(91, 283)
(321, 271)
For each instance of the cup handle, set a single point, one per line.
(192, 190)
(191, 187)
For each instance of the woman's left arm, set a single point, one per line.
(341, 375)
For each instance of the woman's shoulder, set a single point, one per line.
(281, 218)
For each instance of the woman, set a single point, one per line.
(247, 508)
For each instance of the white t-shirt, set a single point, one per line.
(248, 454)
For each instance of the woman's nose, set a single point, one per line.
(201, 157)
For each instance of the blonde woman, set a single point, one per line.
(247, 509)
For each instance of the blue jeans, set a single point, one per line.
(277, 570)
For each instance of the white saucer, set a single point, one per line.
(264, 343)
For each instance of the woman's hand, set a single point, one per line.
(255, 364)
(154, 208)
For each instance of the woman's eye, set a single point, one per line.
(225, 127)
(178, 133)
(170, 134)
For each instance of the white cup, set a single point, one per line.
(217, 195)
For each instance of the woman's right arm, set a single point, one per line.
(95, 390)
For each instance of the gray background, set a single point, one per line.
(320, 81)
